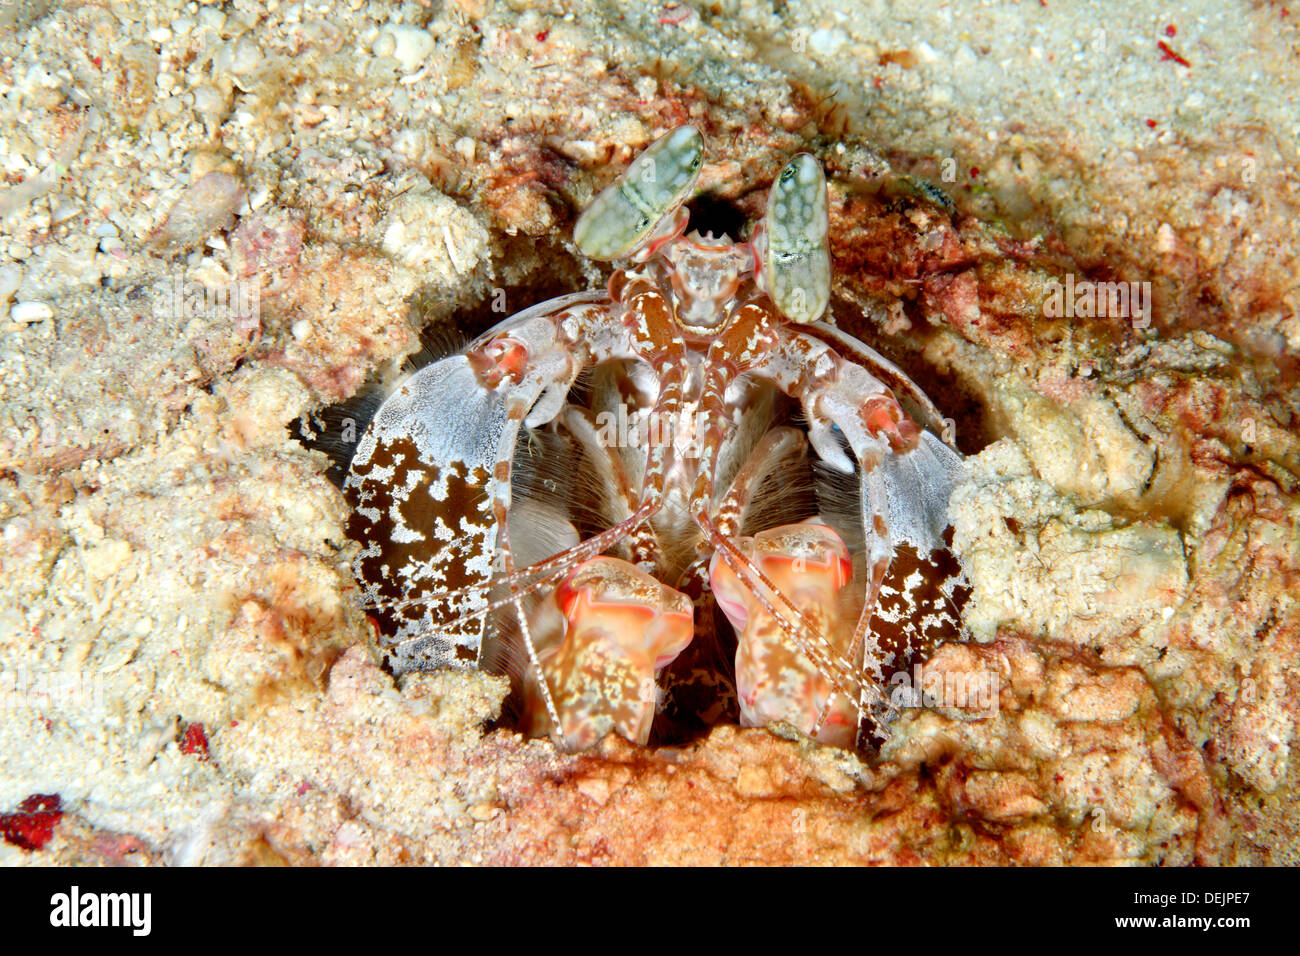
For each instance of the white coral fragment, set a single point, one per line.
(1040, 564)
(429, 233)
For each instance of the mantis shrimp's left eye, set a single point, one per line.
(630, 210)
(797, 257)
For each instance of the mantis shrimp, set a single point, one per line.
(702, 338)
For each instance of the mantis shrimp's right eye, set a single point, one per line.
(630, 210)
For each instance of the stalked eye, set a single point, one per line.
(630, 211)
(797, 259)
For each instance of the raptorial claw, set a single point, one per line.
(810, 565)
(621, 626)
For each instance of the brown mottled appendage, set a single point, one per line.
(918, 606)
(621, 626)
(810, 565)
(424, 529)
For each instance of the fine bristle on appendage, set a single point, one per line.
(337, 429)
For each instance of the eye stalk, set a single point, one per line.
(639, 211)
(791, 248)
